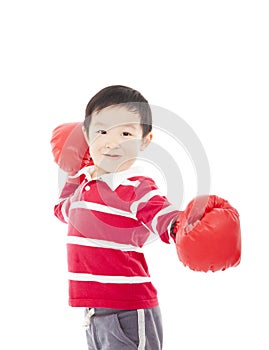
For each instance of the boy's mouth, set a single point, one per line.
(112, 155)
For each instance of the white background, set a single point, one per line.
(207, 61)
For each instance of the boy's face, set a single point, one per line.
(115, 139)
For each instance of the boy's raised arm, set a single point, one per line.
(71, 153)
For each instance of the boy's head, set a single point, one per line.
(119, 95)
(117, 125)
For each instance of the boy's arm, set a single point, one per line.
(71, 153)
(154, 210)
(61, 209)
(207, 233)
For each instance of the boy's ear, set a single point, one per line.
(146, 141)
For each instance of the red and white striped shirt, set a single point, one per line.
(110, 219)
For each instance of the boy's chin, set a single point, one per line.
(113, 168)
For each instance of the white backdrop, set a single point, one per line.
(207, 61)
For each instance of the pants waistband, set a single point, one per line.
(106, 311)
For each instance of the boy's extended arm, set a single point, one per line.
(207, 233)
(154, 210)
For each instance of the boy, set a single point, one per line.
(111, 215)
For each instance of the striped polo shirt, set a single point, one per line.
(110, 219)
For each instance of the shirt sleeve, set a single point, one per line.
(154, 210)
(62, 208)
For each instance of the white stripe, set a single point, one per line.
(60, 200)
(101, 208)
(88, 317)
(157, 216)
(144, 199)
(130, 183)
(151, 238)
(141, 329)
(87, 277)
(90, 242)
(63, 211)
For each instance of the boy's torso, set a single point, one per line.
(108, 226)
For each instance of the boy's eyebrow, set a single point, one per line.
(99, 124)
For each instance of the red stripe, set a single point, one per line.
(124, 296)
(108, 262)
(101, 228)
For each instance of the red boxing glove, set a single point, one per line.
(214, 242)
(69, 147)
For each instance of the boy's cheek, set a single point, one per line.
(92, 140)
(131, 145)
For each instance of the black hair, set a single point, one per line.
(120, 95)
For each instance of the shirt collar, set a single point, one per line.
(113, 180)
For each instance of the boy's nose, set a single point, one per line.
(111, 144)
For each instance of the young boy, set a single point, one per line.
(110, 216)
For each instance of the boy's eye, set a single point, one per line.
(102, 132)
(126, 133)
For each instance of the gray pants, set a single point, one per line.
(112, 329)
